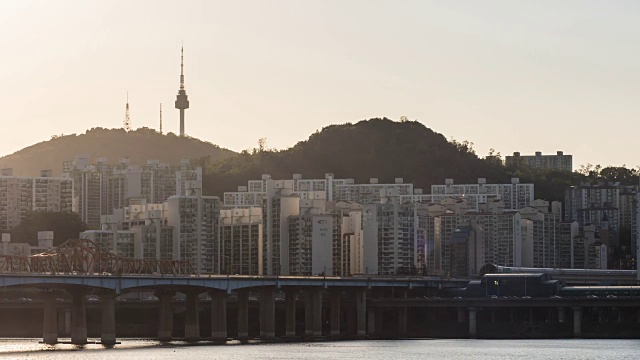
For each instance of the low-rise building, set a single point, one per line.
(45, 243)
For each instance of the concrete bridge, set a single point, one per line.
(371, 305)
(80, 268)
(108, 287)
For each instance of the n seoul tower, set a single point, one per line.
(182, 102)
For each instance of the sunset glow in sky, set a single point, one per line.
(512, 75)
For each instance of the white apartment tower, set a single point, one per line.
(195, 220)
(311, 245)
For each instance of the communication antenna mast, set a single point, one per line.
(182, 100)
(127, 119)
(160, 118)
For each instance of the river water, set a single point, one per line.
(343, 350)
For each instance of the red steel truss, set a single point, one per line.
(83, 256)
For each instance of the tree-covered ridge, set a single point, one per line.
(140, 145)
(386, 149)
(64, 225)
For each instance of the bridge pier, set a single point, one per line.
(402, 316)
(361, 312)
(79, 319)
(561, 315)
(50, 324)
(316, 295)
(267, 313)
(108, 335)
(308, 312)
(460, 315)
(371, 322)
(335, 296)
(243, 314)
(472, 323)
(61, 322)
(219, 315)
(352, 320)
(191, 317)
(165, 316)
(290, 312)
(577, 322)
(402, 320)
(67, 322)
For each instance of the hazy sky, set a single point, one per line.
(512, 75)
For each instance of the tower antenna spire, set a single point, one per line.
(160, 118)
(127, 118)
(182, 101)
(182, 68)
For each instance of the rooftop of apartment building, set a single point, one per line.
(538, 154)
(46, 173)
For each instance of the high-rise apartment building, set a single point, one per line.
(101, 187)
(195, 220)
(348, 246)
(390, 229)
(22, 194)
(567, 232)
(119, 242)
(502, 232)
(593, 204)
(466, 250)
(311, 245)
(607, 205)
(540, 235)
(241, 241)
(559, 161)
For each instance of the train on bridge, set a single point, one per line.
(530, 285)
(570, 276)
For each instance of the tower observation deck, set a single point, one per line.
(182, 101)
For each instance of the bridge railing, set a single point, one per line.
(85, 257)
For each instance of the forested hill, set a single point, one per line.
(383, 149)
(140, 145)
(378, 148)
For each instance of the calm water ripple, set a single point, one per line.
(344, 350)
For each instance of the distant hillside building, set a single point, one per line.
(514, 196)
(332, 189)
(21, 194)
(101, 187)
(560, 161)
